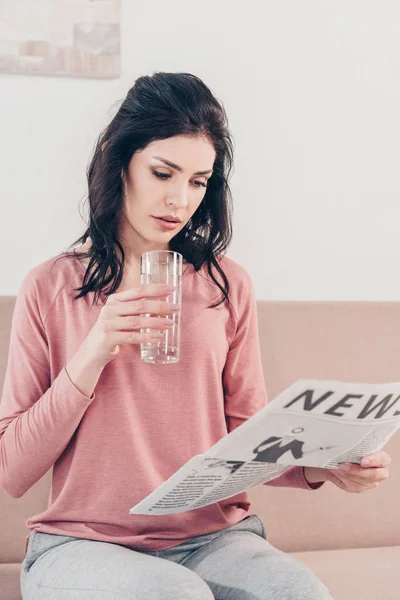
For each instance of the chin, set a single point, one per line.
(162, 239)
(155, 235)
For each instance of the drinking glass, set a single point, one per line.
(163, 266)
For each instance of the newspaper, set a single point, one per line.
(315, 423)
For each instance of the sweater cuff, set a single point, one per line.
(293, 477)
(64, 376)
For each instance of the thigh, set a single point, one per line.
(64, 568)
(243, 565)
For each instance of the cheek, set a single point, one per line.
(194, 205)
(141, 196)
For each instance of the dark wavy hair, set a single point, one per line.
(158, 107)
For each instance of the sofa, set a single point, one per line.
(352, 541)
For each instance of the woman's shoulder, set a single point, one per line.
(47, 278)
(241, 288)
(237, 274)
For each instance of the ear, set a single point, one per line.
(103, 146)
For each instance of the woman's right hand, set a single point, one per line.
(123, 316)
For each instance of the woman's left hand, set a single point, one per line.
(352, 477)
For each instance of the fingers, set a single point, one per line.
(144, 306)
(350, 485)
(145, 290)
(138, 301)
(134, 337)
(371, 471)
(136, 322)
(354, 478)
(378, 459)
(362, 475)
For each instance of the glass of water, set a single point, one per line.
(163, 266)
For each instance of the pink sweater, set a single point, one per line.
(143, 421)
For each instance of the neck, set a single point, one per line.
(134, 245)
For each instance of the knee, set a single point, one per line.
(302, 584)
(182, 584)
(190, 588)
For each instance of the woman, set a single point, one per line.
(77, 396)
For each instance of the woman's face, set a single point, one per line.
(156, 189)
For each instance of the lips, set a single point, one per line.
(168, 225)
(169, 218)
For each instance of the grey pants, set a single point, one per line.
(236, 563)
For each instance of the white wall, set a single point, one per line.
(312, 92)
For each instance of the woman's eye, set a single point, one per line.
(161, 175)
(167, 176)
(200, 183)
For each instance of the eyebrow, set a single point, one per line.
(178, 168)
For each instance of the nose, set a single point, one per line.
(179, 197)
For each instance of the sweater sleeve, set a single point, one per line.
(243, 379)
(37, 417)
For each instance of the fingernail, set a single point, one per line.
(174, 306)
(168, 322)
(170, 287)
(364, 462)
(344, 467)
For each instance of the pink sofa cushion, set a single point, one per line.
(358, 574)
(9, 582)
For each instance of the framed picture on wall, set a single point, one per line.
(73, 38)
